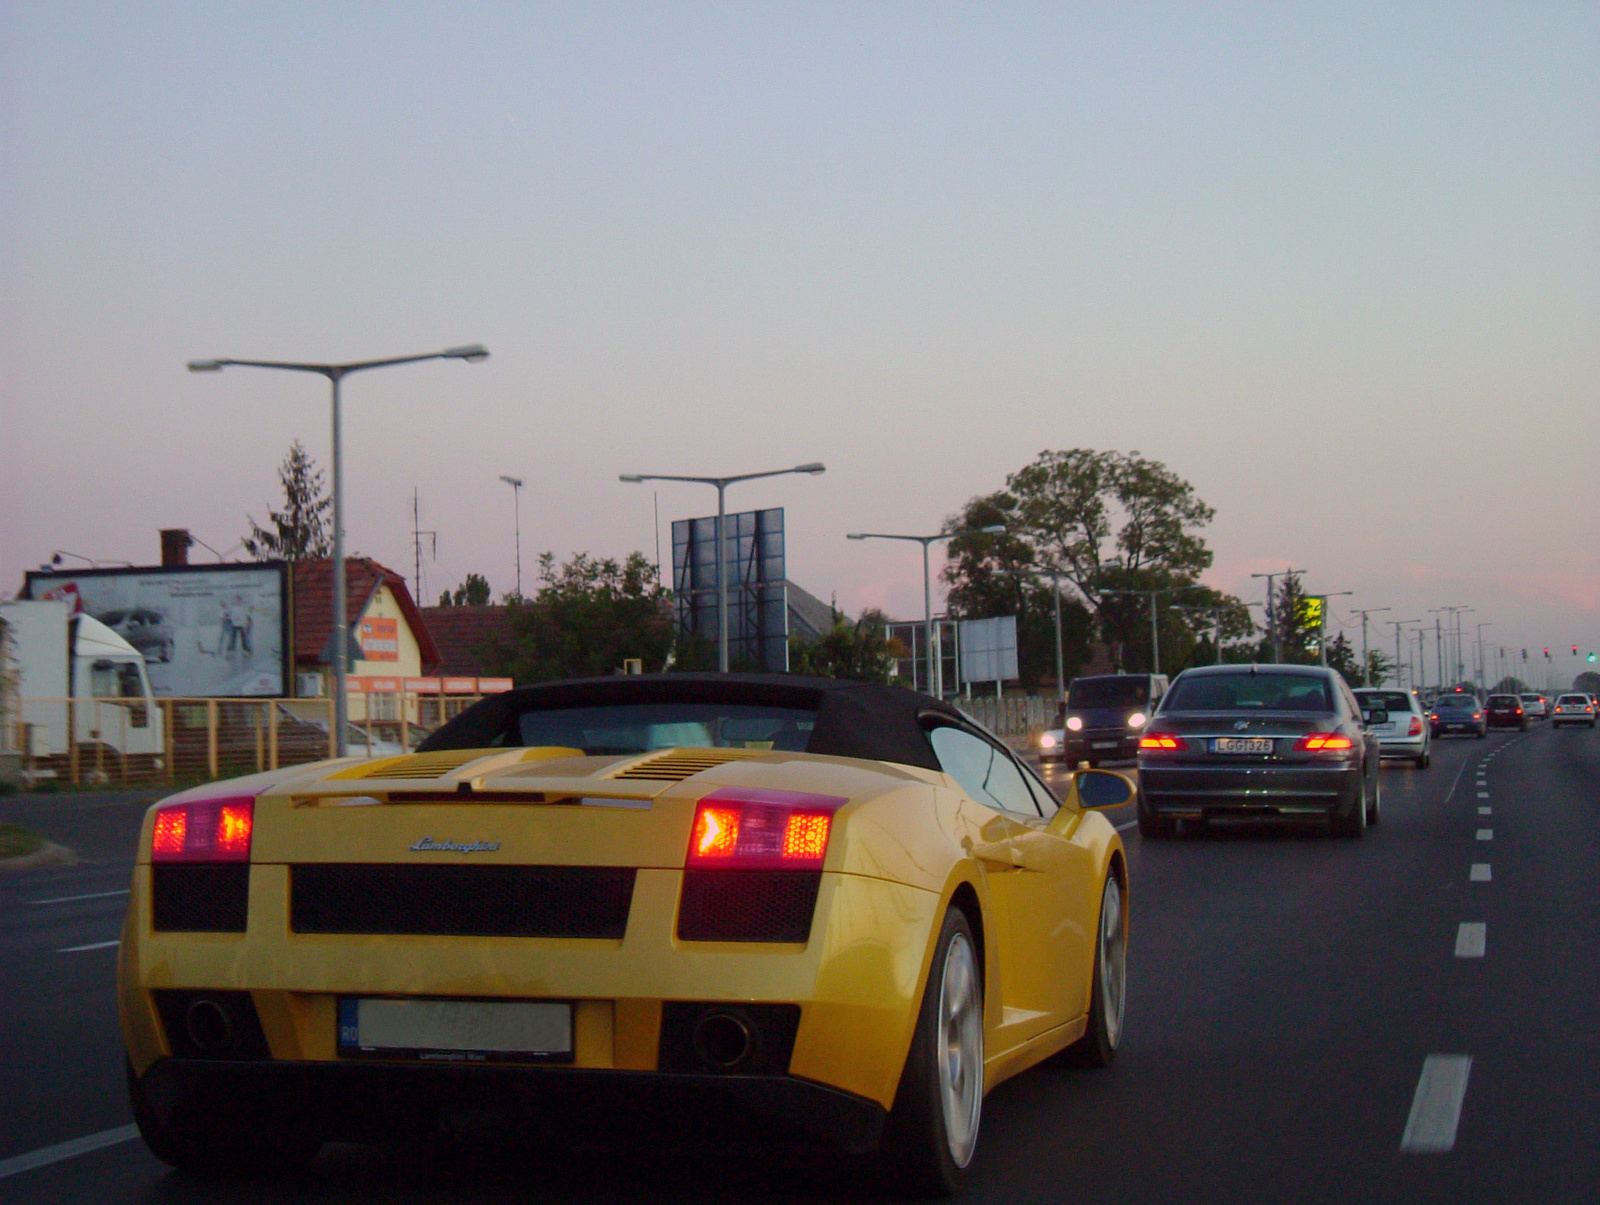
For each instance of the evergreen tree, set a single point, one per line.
(302, 529)
(474, 592)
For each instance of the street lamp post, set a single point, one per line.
(1483, 670)
(1155, 637)
(1272, 616)
(1397, 624)
(516, 501)
(474, 353)
(935, 685)
(722, 484)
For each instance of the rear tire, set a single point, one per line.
(1154, 827)
(1424, 760)
(1108, 991)
(1375, 808)
(933, 1127)
(196, 1145)
(1353, 824)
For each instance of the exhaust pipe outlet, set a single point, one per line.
(209, 1026)
(725, 1041)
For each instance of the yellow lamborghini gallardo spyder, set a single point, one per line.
(825, 909)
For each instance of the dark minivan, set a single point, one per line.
(1102, 718)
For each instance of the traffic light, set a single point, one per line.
(1547, 652)
(1590, 658)
(1524, 654)
(1574, 650)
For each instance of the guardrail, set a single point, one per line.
(96, 741)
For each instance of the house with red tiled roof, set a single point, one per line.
(388, 639)
(466, 637)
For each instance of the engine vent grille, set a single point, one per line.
(461, 901)
(747, 905)
(416, 765)
(199, 898)
(684, 763)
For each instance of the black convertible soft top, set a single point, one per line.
(854, 719)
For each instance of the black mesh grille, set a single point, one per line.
(747, 905)
(462, 901)
(199, 899)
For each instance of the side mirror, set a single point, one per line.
(1101, 789)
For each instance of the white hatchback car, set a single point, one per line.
(1536, 707)
(1573, 709)
(1405, 733)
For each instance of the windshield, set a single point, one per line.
(1120, 691)
(641, 727)
(1457, 701)
(1249, 692)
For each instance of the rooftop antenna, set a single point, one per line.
(416, 544)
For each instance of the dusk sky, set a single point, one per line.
(1338, 265)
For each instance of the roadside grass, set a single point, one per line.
(16, 841)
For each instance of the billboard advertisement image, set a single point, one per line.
(205, 631)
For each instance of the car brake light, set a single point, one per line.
(1416, 726)
(1477, 715)
(1162, 740)
(204, 830)
(1315, 741)
(748, 828)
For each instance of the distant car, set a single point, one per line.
(1103, 718)
(1505, 711)
(1268, 742)
(1537, 706)
(1573, 709)
(1458, 711)
(1405, 734)
(147, 630)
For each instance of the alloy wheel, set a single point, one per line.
(960, 1048)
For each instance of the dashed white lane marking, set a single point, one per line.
(73, 899)
(1486, 834)
(46, 1155)
(1472, 939)
(1483, 794)
(1436, 1107)
(93, 945)
(1486, 811)
(1482, 872)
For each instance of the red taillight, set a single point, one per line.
(752, 829)
(204, 830)
(1416, 726)
(1162, 740)
(1477, 715)
(1315, 741)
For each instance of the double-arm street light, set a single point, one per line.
(335, 373)
(1155, 637)
(1397, 625)
(516, 501)
(722, 484)
(935, 685)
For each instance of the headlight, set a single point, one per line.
(1075, 722)
(1137, 720)
(1047, 741)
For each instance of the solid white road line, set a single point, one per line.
(1486, 834)
(1471, 939)
(93, 945)
(1436, 1107)
(1482, 872)
(73, 899)
(46, 1155)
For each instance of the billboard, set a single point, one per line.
(205, 630)
(989, 649)
(758, 598)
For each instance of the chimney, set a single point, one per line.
(175, 543)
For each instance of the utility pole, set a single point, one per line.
(1398, 624)
(1366, 662)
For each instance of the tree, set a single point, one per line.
(473, 592)
(301, 530)
(589, 616)
(1100, 522)
(859, 650)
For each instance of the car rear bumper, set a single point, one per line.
(1402, 746)
(1190, 790)
(1111, 745)
(367, 1101)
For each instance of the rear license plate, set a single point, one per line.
(1242, 744)
(456, 1031)
(1105, 744)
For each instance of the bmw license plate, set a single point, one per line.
(1242, 744)
(456, 1031)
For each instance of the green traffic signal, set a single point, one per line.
(1590, 657)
